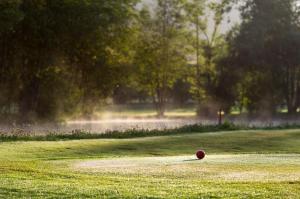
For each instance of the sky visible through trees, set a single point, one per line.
(232, 18)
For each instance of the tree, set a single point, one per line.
(10, 15)
(101, 55)
(160, 50)
(195, 13)
(267, 48)
(58, 54)
(208, 45)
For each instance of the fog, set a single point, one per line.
(121, 125)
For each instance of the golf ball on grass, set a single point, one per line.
(200, 154)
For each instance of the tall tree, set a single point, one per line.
(160, 51)
(195, 10)
(10, 15)
(101, 54)
(57, 53)
(267, 47)
(205, 19)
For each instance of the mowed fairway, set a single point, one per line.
(240, 164)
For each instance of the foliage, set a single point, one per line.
(61, 58)
(204, 19)
(264, 50)
(160, 55)
(60, 54)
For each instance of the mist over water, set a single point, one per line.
(107, 125)
(127, 124)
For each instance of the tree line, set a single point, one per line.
(66, 57)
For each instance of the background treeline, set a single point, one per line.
(64, 57)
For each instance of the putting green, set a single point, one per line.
(251, 168)
(155, 167)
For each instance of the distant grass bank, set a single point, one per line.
(21, 135)
(249, 142)
(144, 111)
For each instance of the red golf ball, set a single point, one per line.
(200, 154)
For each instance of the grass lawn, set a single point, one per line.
(240, 164)
(144, 112)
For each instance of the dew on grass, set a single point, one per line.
(251, 167)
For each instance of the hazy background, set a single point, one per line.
(93, 63)
(231, 19)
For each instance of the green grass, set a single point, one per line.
(239, 164)
(144, 111)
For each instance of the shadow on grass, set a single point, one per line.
(191, 160)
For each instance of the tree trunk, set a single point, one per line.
(292, 90)
(198, 83)
(28, 101)
(160, 103)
